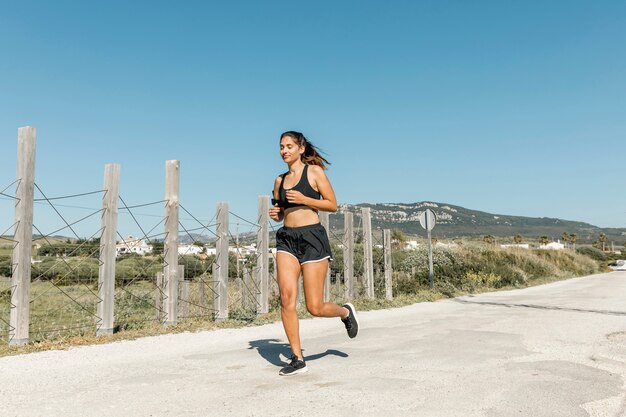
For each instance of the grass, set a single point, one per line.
(63, 316)
(63, 342)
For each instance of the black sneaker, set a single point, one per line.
(296, 366)
(351, 323)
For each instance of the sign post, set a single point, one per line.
(428, 220)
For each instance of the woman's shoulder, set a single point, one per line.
(316, 171)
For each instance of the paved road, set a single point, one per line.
(554, 350)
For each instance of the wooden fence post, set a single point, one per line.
(201, 296)
(106, 272)
(183, 302)
(263, 238)
(348, 256)
(172, 181)
(368, 259)
(158, 297)
(215, 281)
(338, 286)
(387, 260)
(23, 236)
(239, 288)
(222, 262)
(274, 278)
(247, 296)
(325, 220)
(256, 288)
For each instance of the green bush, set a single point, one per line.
(135, 267)
(471, 268)
(83, 249)
(194, 267)
(569, 263)
(66, 271)
(593, 253)
(5, 266)
(404, 283)
(477, 280)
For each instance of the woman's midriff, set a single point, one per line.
(300, 216)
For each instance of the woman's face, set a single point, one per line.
(290, 151)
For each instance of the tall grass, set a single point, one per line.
(474, 268)
(65, 306)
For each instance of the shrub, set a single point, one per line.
(474, 267)
(593, 253)
(404, 283)
(569, 263)
(194, 266)
(5, 266)
(66, 271)
(131, 268)
(477, 280)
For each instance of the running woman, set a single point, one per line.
(302, 244)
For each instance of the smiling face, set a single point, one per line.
(290, 151)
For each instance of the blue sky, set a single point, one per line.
(507, 107)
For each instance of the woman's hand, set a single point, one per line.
(276, 213)
(296, 197)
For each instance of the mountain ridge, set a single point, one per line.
(455, 221)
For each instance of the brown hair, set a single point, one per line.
(311, 155)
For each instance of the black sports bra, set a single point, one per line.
(303, 186)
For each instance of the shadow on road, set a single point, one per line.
(540, 307)
(271, 349)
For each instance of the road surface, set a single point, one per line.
(553, 350)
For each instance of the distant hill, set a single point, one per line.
(455, 221)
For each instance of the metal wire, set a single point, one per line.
(73, 224)
(142, 205)
(67, 196)
(245, 296)
(247, 221)
(9, 186)
(57, 211)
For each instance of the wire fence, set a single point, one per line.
(84, 276)
(65, 266)
(7, 204)
(338, 287)
(64, 271)
(380, 289)
(139, 260)
(197, 291)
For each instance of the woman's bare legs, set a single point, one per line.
(288, 269)
(314, 276)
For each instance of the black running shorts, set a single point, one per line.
(307, 243)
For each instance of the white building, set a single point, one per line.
(243, 251)
(240, 252)
(516, 245)
(449, 245)
(553, 246)
(411, 245)
(132, 245)
(185, 249)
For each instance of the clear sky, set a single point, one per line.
(512, 108)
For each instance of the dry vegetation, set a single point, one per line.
(62, 316)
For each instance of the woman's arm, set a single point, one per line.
(276, 213)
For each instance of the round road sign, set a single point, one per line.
(428, 219)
